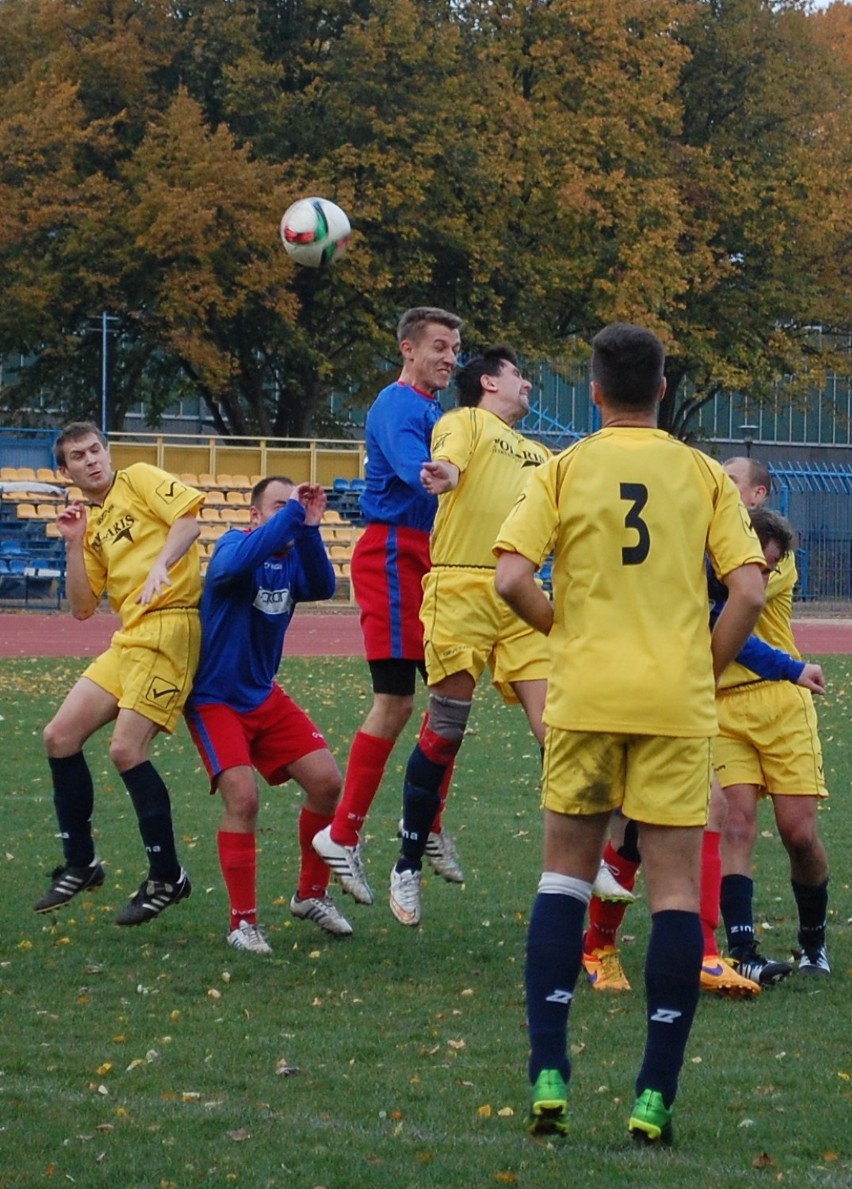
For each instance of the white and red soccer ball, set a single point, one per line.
(315, 231)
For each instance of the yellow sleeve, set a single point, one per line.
(165, 496)
(530, 528)
(455, 436)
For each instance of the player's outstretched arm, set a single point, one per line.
(515, 582)
(812, 678)
(181, 536)
(439, 476)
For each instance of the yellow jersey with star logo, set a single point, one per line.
(126, 534)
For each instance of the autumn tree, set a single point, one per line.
(542, 168)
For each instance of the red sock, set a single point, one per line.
(605, 917)
(711, 887)
(368, 758)
(313, 871)
(443, 792)
(238, 860)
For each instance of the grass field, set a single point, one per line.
(158, 1057)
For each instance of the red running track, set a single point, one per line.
(311, 633)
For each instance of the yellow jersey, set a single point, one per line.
(631, 513)
(494, 461)
(775, 625)
(126, 534)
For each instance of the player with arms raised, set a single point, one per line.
(239, 716)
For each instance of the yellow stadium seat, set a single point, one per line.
(237, 498)
(212, 532)
(26, 512)
(189, 478)
(205, 481)
(46, 511)
(228, 482)
(211, 514)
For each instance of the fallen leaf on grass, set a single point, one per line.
(484, 1111)
(457, 1045)
(764, 1160)
(285, 1070)
(506, 1112)
(239, 1134)
(506, 1177)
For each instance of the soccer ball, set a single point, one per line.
(315, 231)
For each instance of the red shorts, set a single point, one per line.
(387, 576)
(270, 738)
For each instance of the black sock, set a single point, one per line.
(736, 902)
(629, 848)
(553, 963)
(812, 904)
(419, 807)
(421, 800)
(150, 799)
(74, 799)
(672, 974)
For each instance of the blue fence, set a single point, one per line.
(817, 499)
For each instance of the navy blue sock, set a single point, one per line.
(150, 799)
(421, 800)
(736, 902)
(554, 958)
(812, 905)
(672, 974)
(74, 800)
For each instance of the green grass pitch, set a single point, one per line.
(158, 1057)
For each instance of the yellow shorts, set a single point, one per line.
(466, 626)
(658, 779)
(150, 667)
(768, 736)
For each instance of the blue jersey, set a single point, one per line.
(398, 440)
(768, 663)
(248, 601)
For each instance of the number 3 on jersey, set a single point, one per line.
(637, 494)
